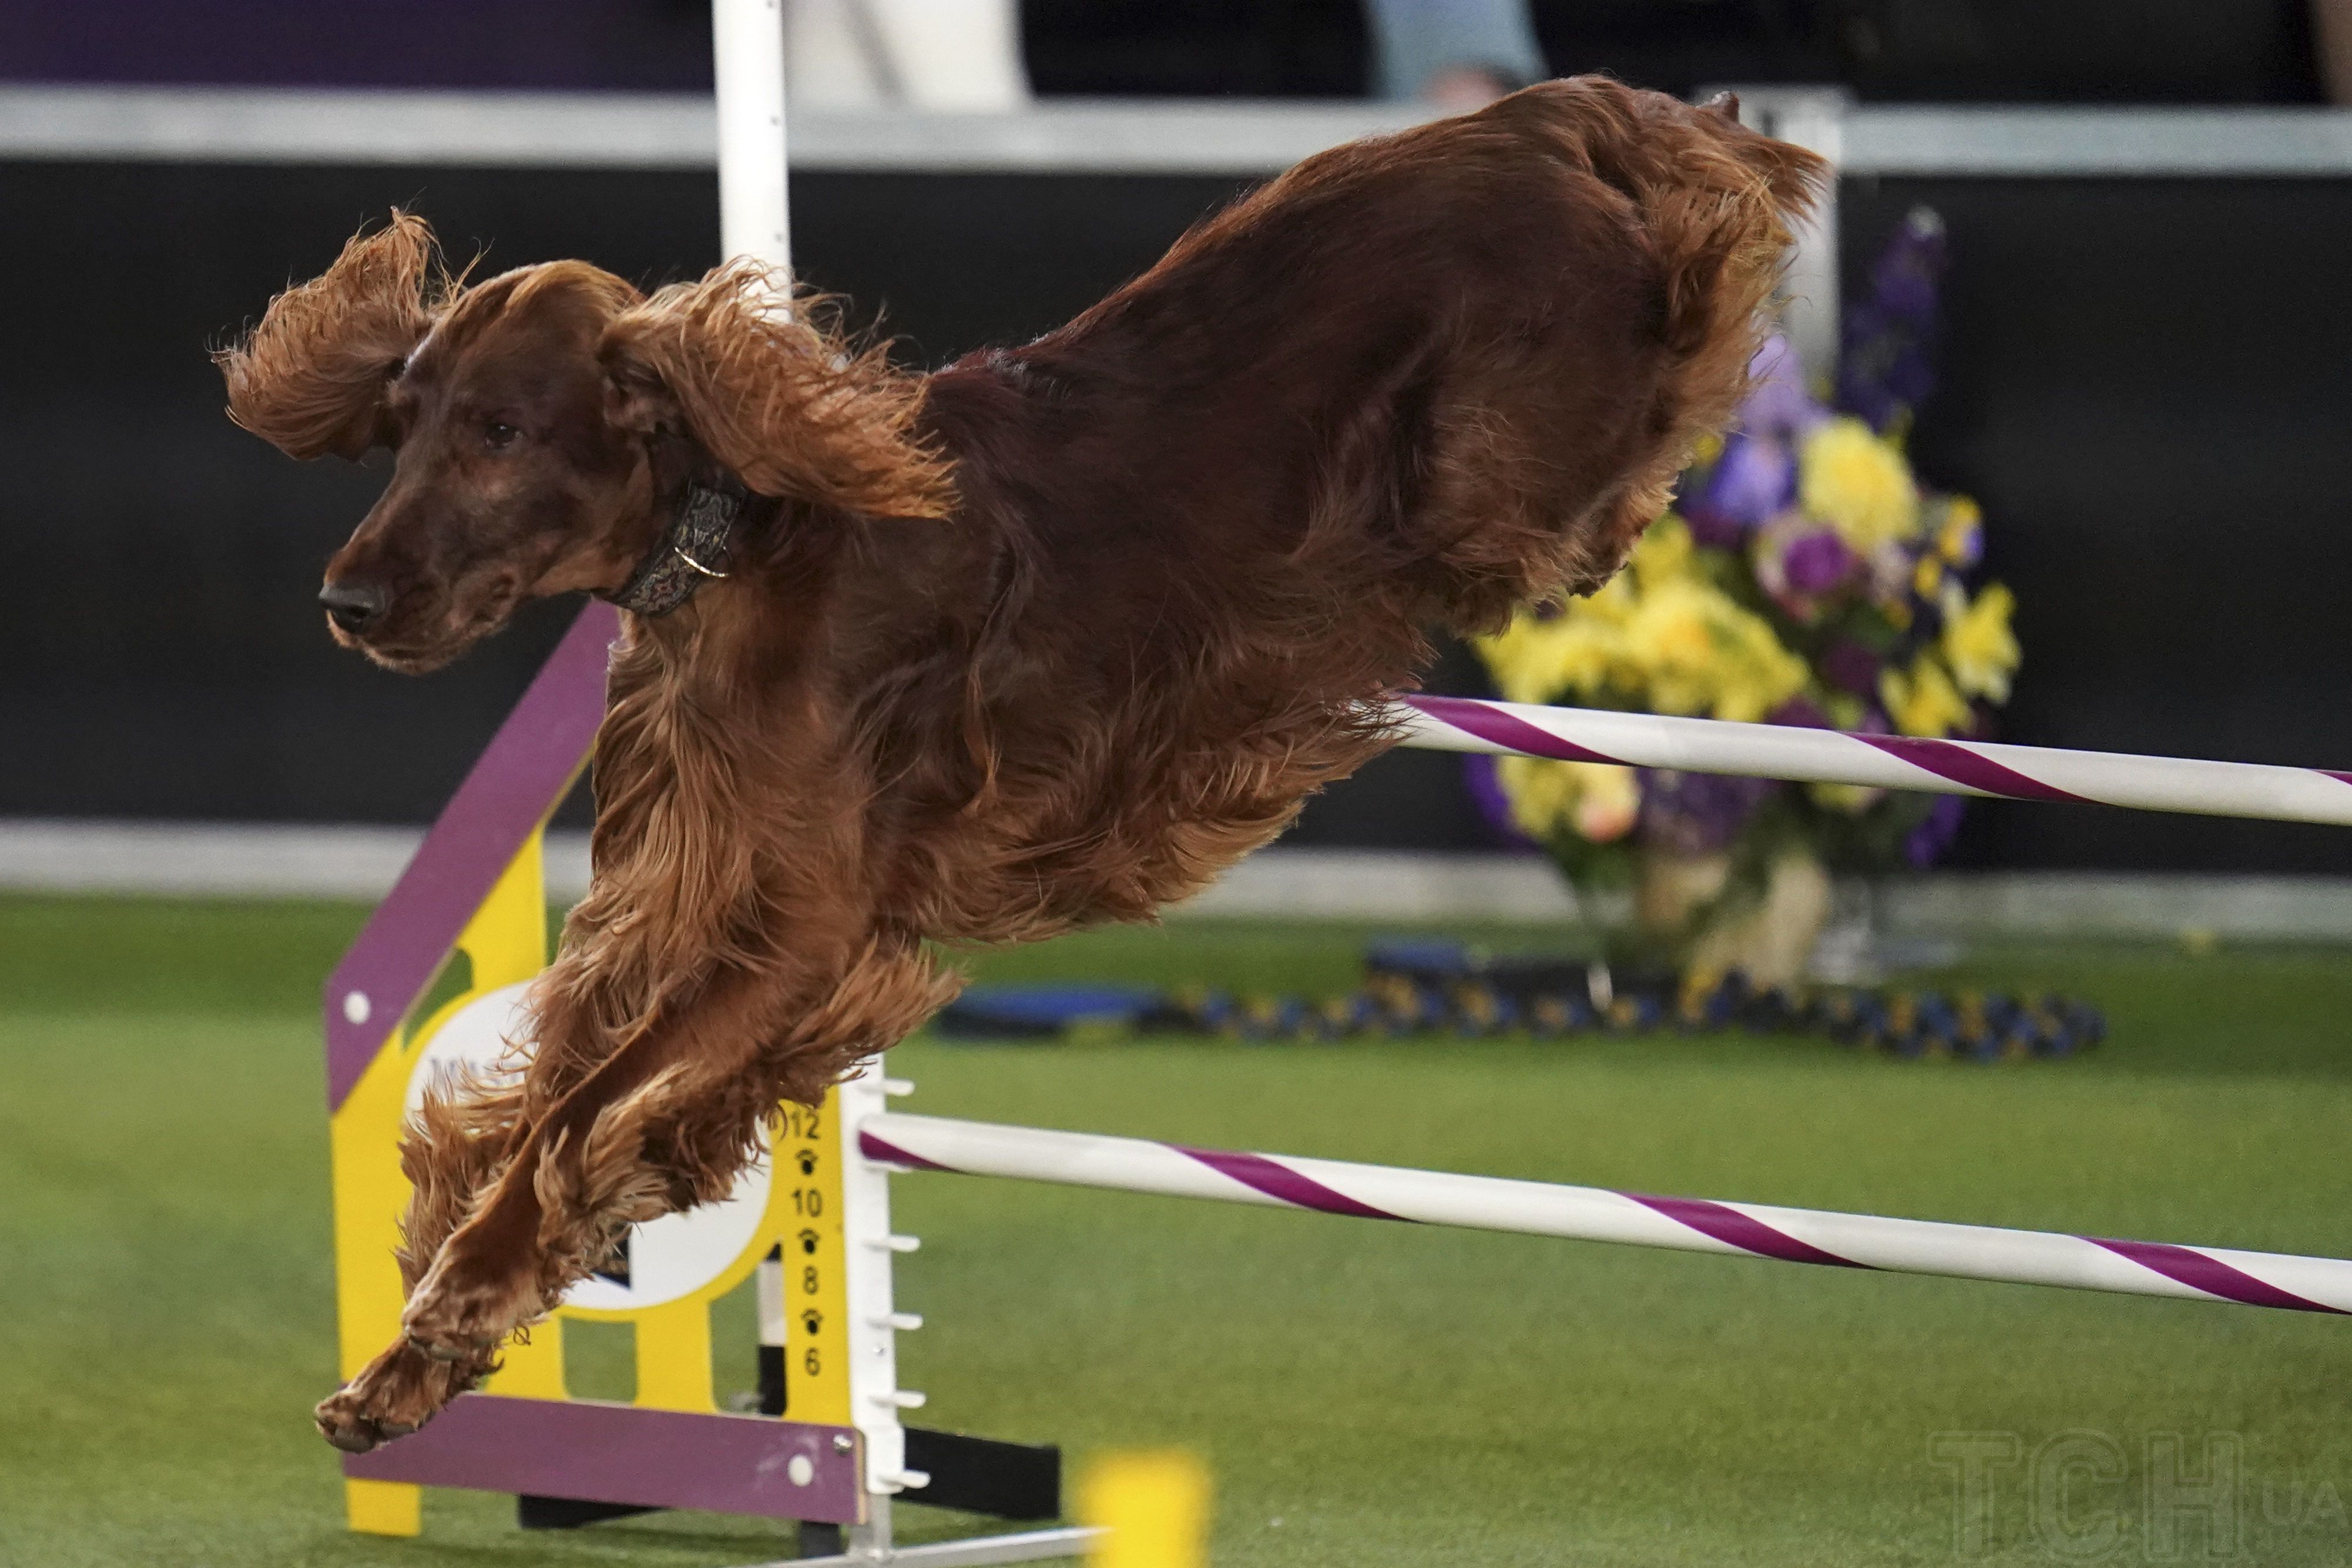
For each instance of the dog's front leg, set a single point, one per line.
(668, 1121)
(449, 1152)
(521, 1244)
(471, 1297)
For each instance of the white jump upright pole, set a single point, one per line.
(748, 51)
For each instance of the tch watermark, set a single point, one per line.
(2092, 1497)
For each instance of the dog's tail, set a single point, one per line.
(1724, 240)
(1702, 212)
(1718, 205)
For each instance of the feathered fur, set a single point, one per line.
(311, 379)
(1049, 637)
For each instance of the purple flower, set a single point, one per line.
(1926, 844)
(1815, 563)
(1911, 374)
(1777, 403)
(1883, 364)
(1753, 480)
(1851, 667)
(1800, 713)
(1711, 529)
(1756, 478)
(1486, 788)
(1903, 282)
(1696, 813)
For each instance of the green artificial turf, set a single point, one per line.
(1367, 1394)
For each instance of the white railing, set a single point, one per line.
(263, 125)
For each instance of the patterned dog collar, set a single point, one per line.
(700, 538)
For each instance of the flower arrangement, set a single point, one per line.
(1805, 577)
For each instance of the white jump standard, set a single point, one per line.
(1597, 1214)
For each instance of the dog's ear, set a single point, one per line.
(311, 378)
(767, 383)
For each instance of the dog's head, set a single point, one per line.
(546, 422)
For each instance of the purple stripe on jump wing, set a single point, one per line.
(1489, 722)
(2200, 1272)
(516, 782)
(628, 1454)
(1963, 766)
(1278, 1180)
(1728, 1225)
(888, 1153)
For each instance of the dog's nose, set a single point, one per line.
(352, 605)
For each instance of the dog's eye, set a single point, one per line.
(497, 437)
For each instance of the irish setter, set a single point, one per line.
(1049, 637)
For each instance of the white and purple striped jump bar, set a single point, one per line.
(1886, 761)
(1597, 1214)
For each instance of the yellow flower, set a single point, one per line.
(1612, 601)
(1696, 651)
(1854, 800)
(1979, 644)
(1924, 702)
(1662, 553)
(1671, 634)
(1928, 576)
(1961, 539)
(1537, 661)
(1611, 803)
(1858, 484)
(1746, 695)
(1659, 635)
(1597, 801)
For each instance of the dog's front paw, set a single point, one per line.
(343, 1420)
(394, 1394)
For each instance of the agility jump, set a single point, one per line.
(831, 1321)
(811, 1220)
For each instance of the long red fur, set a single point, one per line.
(1046, 638)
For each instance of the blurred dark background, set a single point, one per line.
(2143, 379)
(2017, 51)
